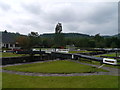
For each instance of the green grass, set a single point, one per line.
(90, 62)
(21, 81)
(97, 63)
(11, 55)
(82, 51)
(0, 79)
(15, 55)
(111, 55)
(54, 67)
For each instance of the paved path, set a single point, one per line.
(112, 71)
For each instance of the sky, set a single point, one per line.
(88, 17)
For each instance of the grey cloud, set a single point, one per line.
(29, 23)
(79, 17)
(104, 29)
(9, 26)
(100, 14)
(65, 14)
(119, 17)
(4, 6)
(33, 8)
(73, 27)
(58, 16)
(103, 14)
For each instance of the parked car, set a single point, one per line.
(16, 49)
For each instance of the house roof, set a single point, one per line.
(8, 37)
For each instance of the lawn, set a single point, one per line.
(82, 51)
(110, 54)
(55, 67)
(21, 81)
(97, 63)
(6, 54)
(0, 79)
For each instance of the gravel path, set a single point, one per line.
(112, 71)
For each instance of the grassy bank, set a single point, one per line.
(97, 63)
(6, 54)
(15, 55)
(82, 51)
(109, 54)
(54, 67)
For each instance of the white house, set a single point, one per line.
(8, 40)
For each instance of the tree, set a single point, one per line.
(34, 39)
(113, 45)
(91, 44)
(58, 37)
(69, 41)
(23, 41)
(97, 37)
(28, 42)
(33, 34)
(107, 42)
(59, 40)
(5, 31)
(81, 42)
(99, 41)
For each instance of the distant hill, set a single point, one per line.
(50, 35)
(108, 36)
(8, 37)
(117, 35)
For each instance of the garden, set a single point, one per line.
(64, 67)
(57, 74)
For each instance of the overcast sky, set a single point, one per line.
(93, 17)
